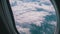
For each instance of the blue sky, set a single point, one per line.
(32, 12)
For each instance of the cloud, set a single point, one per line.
(25, 11)
(31, 17)
(53, 23)
(23, 30)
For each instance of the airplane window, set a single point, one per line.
(34, 16)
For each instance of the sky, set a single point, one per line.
(28, 12)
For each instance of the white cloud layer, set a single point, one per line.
(31, 17)
(23, 30)
(25, 12)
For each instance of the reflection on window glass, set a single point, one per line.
(34, 16)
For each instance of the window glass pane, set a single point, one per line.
(34, 16)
